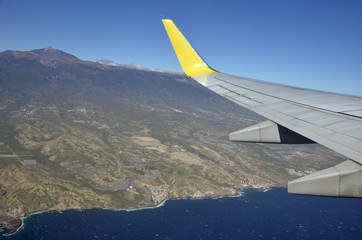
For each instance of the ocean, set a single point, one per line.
(254, 214)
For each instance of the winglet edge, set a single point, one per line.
(190, 61)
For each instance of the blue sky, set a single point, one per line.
(310, 43)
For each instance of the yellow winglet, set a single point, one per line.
(190, 61)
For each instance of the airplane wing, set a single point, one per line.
(296, 115)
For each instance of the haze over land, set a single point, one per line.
(79, 134)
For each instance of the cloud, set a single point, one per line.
(138, 67)
(107, 62)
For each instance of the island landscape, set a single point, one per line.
(78, 134)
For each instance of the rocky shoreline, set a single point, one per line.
(11, 225)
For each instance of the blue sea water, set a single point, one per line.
(274, 214)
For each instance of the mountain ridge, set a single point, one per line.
(53, 53)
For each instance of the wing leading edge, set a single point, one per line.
(296, 115)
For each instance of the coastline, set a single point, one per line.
(239, 193)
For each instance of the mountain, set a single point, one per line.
(67, 79)
(79, 134)
(53, 53)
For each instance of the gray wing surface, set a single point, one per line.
(296, 115)
(332, 120)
